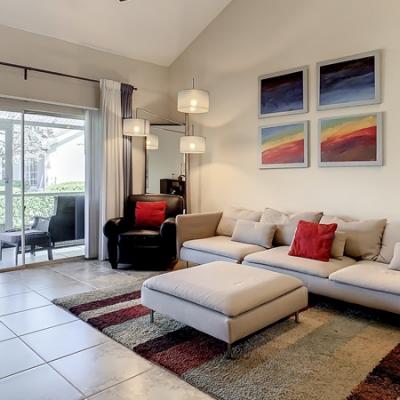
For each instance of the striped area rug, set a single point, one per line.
(324, 357)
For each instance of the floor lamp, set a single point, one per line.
(191, 101)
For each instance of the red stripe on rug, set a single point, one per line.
(93, 305)
(162, 343)
(191, 354)
(181, 350)
(118, 317)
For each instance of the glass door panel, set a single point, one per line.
(54, 162)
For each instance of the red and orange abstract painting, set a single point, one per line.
(351, 140)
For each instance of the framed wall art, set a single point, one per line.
(350, 141)
(283, 93)
(284, 145)
(349, 81)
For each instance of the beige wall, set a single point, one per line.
(25, 48)
(254, 37)
(21, 47)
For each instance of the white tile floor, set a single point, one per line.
(47, 353)
(8, 257)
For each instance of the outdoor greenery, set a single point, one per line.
(36, 204)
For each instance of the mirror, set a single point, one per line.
(165, 165)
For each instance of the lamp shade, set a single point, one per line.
(136, 127)
(193, 101)
(192, 144)
(152, 142)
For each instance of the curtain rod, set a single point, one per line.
(27, 68)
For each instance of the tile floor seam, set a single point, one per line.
(62, 376)
(121, 382)
(69, 354)
(27, 369)
(28, 309)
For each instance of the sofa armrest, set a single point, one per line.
(196, 226)
(113, 227)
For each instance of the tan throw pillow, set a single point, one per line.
(391, 236)
(338, 245)
(395, 263)
(364, 237)
(254, 233)
(287, 223)
(231, 215)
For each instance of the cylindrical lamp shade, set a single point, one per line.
(192, 144)
(136, 127)
(152, 142)
(193, 101)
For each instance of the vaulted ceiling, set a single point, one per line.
(156, 31)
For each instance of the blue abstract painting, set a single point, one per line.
(282, 94)
(350, 81)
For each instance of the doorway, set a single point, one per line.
(42, 184)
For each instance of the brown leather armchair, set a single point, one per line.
(143, 246)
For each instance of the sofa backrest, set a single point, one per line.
(391, 236)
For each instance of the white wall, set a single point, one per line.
(250, 38)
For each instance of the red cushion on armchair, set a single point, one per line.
(313, 240)
(150, 213)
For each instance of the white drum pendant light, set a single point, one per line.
(136, 127)
(192, 145)
(152, 142)
(193, 101)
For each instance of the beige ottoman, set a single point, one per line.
(225, 300)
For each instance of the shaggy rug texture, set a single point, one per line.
(326, 356)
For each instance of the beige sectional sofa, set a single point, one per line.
(361, 276)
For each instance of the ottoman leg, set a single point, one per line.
(151, 316)
(229, 350)
(297, 317)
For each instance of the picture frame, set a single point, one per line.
(351, 141)
(284, 145)
(349, 81)
(283, 93)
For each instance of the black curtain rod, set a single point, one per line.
(45, 71)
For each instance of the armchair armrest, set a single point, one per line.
(168, 229)
(113, 227)
(196, 226)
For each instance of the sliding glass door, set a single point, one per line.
(48, 151)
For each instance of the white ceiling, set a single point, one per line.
(157, 31)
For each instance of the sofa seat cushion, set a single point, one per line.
(140, 237)
(223, 246)
(278, 257)
(225, 287)
(369, 275)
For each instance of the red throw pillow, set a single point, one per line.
(150, 213)
(313, 240)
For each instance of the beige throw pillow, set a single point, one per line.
(391, 236)
(287, 223)
(231, 215)
(363, 237)
(254, 233)
(338, 245)
(395, 263)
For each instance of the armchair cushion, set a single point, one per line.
(140, 237)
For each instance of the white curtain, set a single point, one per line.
(104, 169)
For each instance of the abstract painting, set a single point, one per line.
(283, 93)
(351, 141)
(349, 81)
(284, 145)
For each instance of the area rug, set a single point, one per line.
(326, 356)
